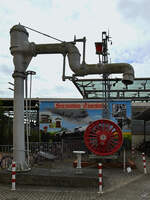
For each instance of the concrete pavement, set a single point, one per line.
(136, 190)
(117, 184)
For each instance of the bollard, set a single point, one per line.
(100, 178)
(133, 151)
(79, 166)
(124, 160)
(13, 180)
(129, 170)
(144, 163)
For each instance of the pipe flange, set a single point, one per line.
(32, 48)
(19, 74)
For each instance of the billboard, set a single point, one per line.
(71, 116)
(68, 115)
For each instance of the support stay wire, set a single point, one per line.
(43, 33)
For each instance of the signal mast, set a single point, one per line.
(102, 52)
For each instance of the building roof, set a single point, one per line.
(115, 89)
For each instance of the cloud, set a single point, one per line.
(58, 90)
(132, 43)
(63, 19)
(5, 69)
(138, 53)
(62, 89)
(75, 15)
(46, 4)
(135, 11)
(3, 92)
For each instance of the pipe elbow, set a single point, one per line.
(73, 57)
(118, 68)
(128, 74)
(86, 69)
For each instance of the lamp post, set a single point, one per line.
(28, 108)
(37, 119)
(28, 115)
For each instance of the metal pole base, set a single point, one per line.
(100, 192)
(79, 171)
(20, 167)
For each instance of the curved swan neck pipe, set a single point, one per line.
(21, 47)
(86, 69)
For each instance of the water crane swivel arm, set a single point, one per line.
(24, 51)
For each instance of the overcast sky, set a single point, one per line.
(127, 21)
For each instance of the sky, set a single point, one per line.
(126, 20)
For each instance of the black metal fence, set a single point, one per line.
(60, 150)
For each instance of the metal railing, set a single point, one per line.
(6, 148)
(61, 150)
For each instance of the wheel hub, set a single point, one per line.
(101, 137)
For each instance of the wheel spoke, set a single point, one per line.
(92, 134)
(103, 137)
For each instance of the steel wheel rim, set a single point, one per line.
(103, 137)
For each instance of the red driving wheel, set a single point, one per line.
(103, 137)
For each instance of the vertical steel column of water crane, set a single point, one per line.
(21, 60)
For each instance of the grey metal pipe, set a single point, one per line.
(30, 49)
(114, 68)
(19, 39)
(19, 146)
(86, 69)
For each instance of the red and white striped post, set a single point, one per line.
(133, 151)
(144, 163)
(100, 178)
(13, 180)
